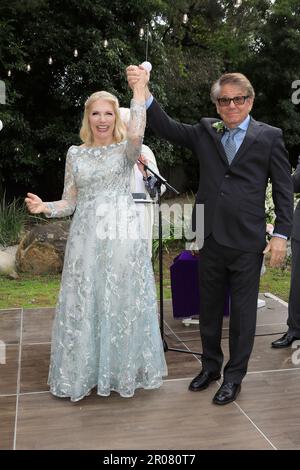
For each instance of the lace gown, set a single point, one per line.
(106, 331)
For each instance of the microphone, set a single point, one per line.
(147, 66)
(157, 176)
(1, 125)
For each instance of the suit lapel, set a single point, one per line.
(253, 131)
(217, 136)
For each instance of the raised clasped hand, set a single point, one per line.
(137, 75)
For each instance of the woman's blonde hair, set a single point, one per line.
(86, 134)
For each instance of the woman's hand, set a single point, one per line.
(138, 79)
(34, 204)
(133, 73)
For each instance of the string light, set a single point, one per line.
(105, 41)
(142, 34)
(185, 18)
(38, 155)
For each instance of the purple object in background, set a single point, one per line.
(185, 286)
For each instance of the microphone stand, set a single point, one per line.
(159, 182)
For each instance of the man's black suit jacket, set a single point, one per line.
(296, 220)
(234, 196)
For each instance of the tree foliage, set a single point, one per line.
(44, 106)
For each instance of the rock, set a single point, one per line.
(7, 263)
(42, 250)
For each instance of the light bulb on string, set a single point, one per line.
(105, 43)
(59, 159)
(142, 34)
(38, 155)
(9, 73)
(50, 61)
(185, 18)
(75, 53)
(28, 67)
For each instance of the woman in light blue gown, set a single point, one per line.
(106, 331)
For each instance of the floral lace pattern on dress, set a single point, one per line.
(106, 332)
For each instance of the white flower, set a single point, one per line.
(219, 126)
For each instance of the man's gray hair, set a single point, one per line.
(237, 79)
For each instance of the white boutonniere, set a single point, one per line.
(219, 126)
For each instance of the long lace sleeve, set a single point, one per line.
(136, 129)
(67, 204)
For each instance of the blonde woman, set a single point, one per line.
(106, 333)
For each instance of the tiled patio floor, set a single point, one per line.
(266, 414)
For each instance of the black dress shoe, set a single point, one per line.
(226, 393)
(284, 342)
(202, 380)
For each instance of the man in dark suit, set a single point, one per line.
(293, 320)
(236, 157)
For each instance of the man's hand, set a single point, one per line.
(135, 74)
(277, 248)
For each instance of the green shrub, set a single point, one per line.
(12, 219)
(169, 243)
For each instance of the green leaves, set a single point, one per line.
(43, 110)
